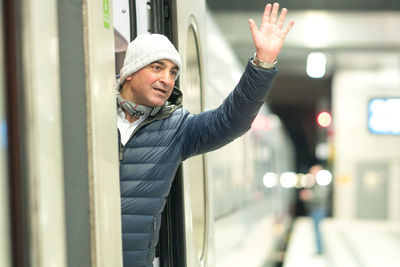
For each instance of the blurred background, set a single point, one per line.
(360, 36)
(338, 95)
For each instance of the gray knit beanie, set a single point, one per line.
(144, 50)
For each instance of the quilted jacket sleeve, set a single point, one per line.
(213, 129)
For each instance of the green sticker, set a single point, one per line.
(106, 13)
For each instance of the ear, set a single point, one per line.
(128, 78)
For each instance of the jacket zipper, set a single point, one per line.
(121, 152)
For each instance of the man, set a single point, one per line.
(156, 135)
(316, 201)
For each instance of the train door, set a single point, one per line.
(90, 146)
(196, 198)
(130, 19)
(189, 36)
(5, 241)
(64, 207)
(184, 237)
(33, 135)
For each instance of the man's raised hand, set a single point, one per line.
(269, 37)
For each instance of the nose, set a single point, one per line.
(167, 78)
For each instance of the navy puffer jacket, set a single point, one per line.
(150, 158)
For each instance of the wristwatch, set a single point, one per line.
(261, 64)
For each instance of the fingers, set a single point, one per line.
(281, 19)
(274, 13)
(289, 26)
(271, 14)
(270, 17)
(267, 11)
(253, 27)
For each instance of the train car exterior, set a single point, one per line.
(58, 142)
(63, 205)
(249, 219)
(5, 248)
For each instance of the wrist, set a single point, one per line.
(263, 64)
(265, 57)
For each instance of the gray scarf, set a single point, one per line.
(136, 110)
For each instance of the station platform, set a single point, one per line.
(347, 243)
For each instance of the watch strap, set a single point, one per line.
(262, 64)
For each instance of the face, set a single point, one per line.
(153, 84)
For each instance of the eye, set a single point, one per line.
(174, 73)
(156, 67)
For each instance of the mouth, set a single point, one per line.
(163, 91)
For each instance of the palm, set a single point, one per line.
(269, 37)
